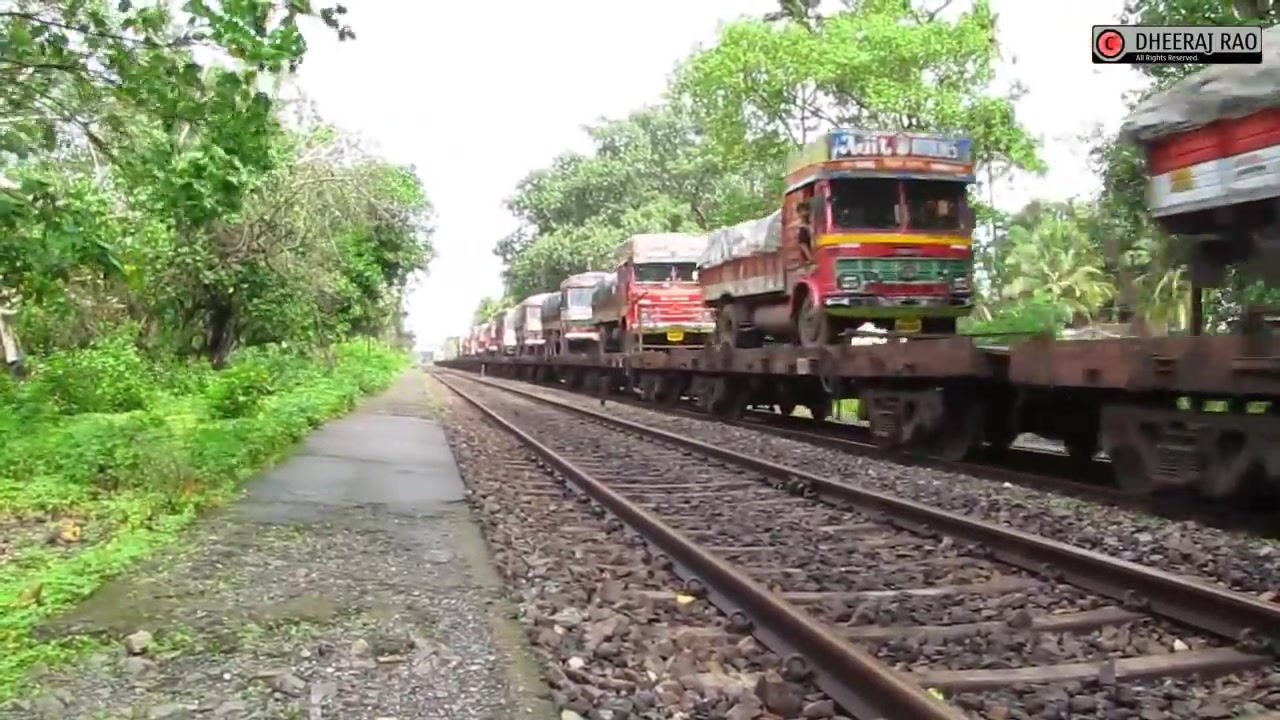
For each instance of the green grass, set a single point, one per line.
(85, 495)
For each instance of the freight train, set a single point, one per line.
(874, 234)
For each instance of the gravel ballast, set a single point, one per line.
(1237, 561)
(794, 544)
(617, 641)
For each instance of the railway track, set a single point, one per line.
(1036, 468)
(877, 598)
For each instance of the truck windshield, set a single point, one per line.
(580, 297)
(865, 204)
(666, 272)
(934, 204)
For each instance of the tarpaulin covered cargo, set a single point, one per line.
(584, 280)
(743, 240)
(529, 312)
(660, 247)
(551, 310)
(1219, 92)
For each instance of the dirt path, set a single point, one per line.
(351, 583)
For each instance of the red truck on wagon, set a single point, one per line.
(653, 299)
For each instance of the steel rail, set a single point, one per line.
(823, 436)
(1215, 609)
(861, 684)
(1262, 523)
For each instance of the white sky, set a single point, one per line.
(476, 96)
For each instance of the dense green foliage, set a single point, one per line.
(197, 271)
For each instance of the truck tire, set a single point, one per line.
(813, 325)
(729, 329)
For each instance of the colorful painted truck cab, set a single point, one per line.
(1212, 144)
(566, 315)
(529, 333)
(875, 228)
(652, 299)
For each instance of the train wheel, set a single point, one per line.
(649, 384)
(1130, 471)
(727, 398)
(960, 434)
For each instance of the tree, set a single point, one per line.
(1051, 258)
(766, 87)
(488, 308)
(95, 85)
(650, 172)
(317, 245)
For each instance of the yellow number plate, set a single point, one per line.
(907, 325)
(675, 335)
(1181, 180)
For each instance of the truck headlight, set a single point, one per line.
(960, 284)
(850, 282)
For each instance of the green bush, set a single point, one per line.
(111, 375)
(1015, 322)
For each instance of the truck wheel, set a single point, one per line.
(812, 325)
(727, 326)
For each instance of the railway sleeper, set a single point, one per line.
(1218, 455)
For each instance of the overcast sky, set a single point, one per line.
(475, 96)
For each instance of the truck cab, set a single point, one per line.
(566, 315)
(530, 338)
(505, 331)
(652, 299)
(875, 230)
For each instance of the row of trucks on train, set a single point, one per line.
(875, 232)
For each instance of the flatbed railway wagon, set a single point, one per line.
(875, 229)
(652, 300)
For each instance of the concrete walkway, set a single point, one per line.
(351, 583)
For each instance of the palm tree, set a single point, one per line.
(1056, 261)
